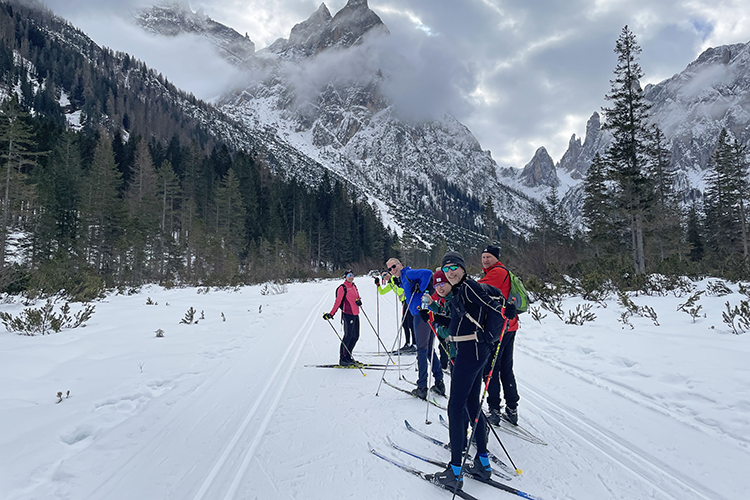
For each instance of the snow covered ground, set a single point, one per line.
(229, 409)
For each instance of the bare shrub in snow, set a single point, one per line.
(160, 333)
(60, 396)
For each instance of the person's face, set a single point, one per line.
(350, 277)
(454, 273)
(394, 267)
(488, 260)
(443, 289)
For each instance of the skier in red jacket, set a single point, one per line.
(496, 274)
(348, 300)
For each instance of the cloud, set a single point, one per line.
(519, 73)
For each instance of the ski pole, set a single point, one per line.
(377, 314)
(518, 471)
(345, 347)
(378, 336)
(475, 424)
(441, 344)
(398, 336)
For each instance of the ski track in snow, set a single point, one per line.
(237, 416)
(637, 462)
(632, 394)
(307, 328)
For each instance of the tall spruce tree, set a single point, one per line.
(17, 156)
(726, 198)
(627, 120)
(103, 211)
(665, 218)
(598, 208)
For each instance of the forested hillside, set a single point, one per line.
(113, 176)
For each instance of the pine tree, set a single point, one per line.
(598, 208)
(17, 156)
(694, 234)
(627, 154)
(230, 214)
(143, 208)
(665, 217)
(102, 211)
(726, 198)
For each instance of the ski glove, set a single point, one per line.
(327, 316)
(358, 302)
(377, 281)
(510, 310)
(441, 319)
(426, 315)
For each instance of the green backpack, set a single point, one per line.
(518, 294)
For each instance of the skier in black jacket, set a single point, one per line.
(469, 300)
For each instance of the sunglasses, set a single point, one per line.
(394, 266)
(349, 275)
(441, 284)
(451, 267)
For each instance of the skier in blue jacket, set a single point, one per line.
(415, 283)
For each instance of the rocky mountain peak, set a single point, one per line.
(321, 31)
(540, 171)
(174, 17)
(577, 158)
(303, 32)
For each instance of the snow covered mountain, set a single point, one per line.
(174, 17)
(691, 108)
(322, 93)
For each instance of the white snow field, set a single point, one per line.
(224, 410)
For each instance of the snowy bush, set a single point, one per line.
(271, 288)
(536, 314)
(43, 320)
(660, 284)
(581, 315)
(189, 317)
(632, 309)
(554, 305)
(738, 317)
(160, 333)
(690, 307)
(717, 288)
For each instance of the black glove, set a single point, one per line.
(442, 320)
(425, 314)
(377, 281)
(327, 316)
(358, 302)
(396, 281)
(510, 310)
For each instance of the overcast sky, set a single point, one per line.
(519, 73)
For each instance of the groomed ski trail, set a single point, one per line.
(297, 344)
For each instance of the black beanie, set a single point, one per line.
(453, 258)
(493, 251)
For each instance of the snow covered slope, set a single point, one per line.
(230, 409)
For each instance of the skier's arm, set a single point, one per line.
(339, 299)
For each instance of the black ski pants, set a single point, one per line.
(503, 374)
(409, 337)
(351, 336)
(463, 405)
